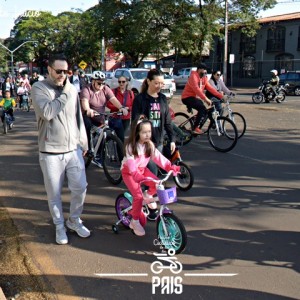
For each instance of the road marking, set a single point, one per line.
(210, 274)
(121, 274)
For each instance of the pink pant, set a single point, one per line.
(136, 191)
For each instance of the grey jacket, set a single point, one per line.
(60, 123)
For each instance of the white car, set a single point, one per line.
(170, 80)
(136, 76)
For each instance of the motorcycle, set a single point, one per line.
(267, 94)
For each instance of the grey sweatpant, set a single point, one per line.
(55, 167)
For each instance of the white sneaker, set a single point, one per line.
(61, 236)
(77, 226)
(137, 228)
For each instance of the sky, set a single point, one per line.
(11, 9)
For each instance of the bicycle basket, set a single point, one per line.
(167, 196)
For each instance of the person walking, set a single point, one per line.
(121, 123)
(62, 143)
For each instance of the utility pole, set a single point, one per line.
(12, 53)
(225, 59)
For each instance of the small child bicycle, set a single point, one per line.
(170, 230)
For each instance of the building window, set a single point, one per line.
(284, 62)
(248, 67)
(276, 39)
(247, 44)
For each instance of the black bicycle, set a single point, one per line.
(221, 131)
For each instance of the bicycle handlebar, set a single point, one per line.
(158, 181)
(118, 113)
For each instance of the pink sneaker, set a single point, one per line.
(137, 228)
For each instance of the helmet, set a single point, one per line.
(98, 75)
(274, 72)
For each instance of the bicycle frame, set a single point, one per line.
(103, 134)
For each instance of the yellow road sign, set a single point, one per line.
(82, 64)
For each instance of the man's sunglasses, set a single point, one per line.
(122, 81)
(60, 71)
(100, 82)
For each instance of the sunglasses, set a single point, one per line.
(218, 74)
(60, 71)
(122, 81)
(100, 82)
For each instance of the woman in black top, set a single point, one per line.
(153, 104)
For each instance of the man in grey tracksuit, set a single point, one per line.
(62, 143)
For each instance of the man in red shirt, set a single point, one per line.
(194, 96)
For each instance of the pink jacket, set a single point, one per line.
(136, 165)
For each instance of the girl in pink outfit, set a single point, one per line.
(139, 149)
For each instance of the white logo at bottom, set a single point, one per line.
(166, 284)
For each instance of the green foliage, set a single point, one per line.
(135, 28)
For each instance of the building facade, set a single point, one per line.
(275, 46)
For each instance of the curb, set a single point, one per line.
(2, 296)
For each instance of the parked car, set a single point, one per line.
(182, 75)
(109, 74)
(170, 80)
(293, 79)
(136, 76)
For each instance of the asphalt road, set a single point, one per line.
(242, 218)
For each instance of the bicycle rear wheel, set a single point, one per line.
(185, 126)
(175, 237)
(112, 155)
(227, 137)
(239, 122)
(122, 205)
(185, 179)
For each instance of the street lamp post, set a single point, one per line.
(225, 59)
(12, 53)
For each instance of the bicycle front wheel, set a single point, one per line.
(185, 179)
(175, 236)
(112, 155)
(239, 122)
(183, 126)
(224, 140)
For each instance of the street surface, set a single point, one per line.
(242, 217)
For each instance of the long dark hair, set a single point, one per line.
(134, 137)
(151, 75)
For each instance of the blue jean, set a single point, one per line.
(55, 167)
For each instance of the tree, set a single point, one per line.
(138, 28)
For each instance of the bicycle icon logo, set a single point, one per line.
(174, 266)
(166, 284)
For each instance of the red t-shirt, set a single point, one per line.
(121, 97)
